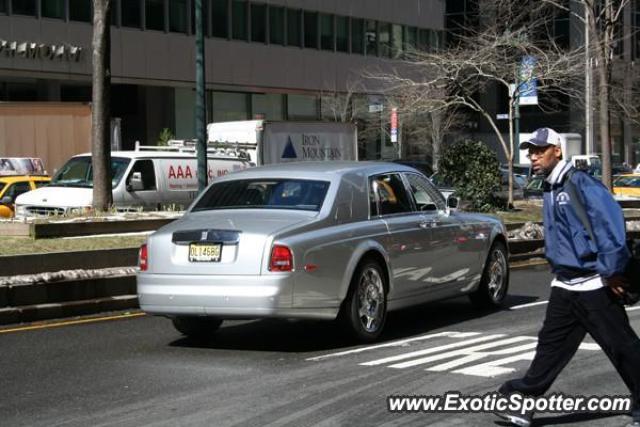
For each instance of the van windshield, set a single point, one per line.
(264, 194)
(78, 172)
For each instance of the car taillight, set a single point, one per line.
(281, 259)
(143, 258)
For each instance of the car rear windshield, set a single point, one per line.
(627, 181)
(264, 194)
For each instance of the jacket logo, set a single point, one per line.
(563, 198)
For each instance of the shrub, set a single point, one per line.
(473, 170)
(164, 137)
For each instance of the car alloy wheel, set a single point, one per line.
(370, 299)
(497, 274)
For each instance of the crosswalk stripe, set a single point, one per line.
(477, 356)
(431, 350)
(398, 343)
(494, 368)
(459, 352)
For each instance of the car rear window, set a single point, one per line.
(297, 194)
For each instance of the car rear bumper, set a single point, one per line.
(231, 296)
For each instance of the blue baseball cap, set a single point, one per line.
(543, 137)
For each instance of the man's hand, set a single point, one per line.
(617, 284)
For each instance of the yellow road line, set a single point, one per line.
(71, 322)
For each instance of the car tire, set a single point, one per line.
(494, 283)
(196, 327)
(364, 312)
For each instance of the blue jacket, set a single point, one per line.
(568, 247)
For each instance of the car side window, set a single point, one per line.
(17, 189)
(390, 194)
(424, 194)
(147, 171)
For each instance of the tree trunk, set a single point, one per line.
(101, 107)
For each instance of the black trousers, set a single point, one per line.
(570, 315)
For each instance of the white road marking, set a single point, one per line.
(532, 304)
(494, 368)
(459, 352)
(481, 355)
(399, 343)
(430, 350)
(633, 308)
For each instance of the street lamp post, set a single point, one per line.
(201, 108)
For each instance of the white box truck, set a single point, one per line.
(268, 142)
(571, 146)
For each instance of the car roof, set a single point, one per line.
(144, 154)
(320, 170)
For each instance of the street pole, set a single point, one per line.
(588, 136)
(201, 107)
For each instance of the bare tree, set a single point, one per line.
(487, 56)
(101, 106)
(603, 18)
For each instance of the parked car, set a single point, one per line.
(534, 188)
(13, 186)
(146, 178)
(627, 185)
(348, 240)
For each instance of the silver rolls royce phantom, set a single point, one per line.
(347, 240)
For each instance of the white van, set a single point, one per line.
(147, 178)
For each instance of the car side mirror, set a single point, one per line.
(6, 200)
(452, 202)
(135, 183)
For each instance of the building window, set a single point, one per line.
(259, 23)
(239, 19)
(635, 51)
(294, 27)
(80, 10)
(311, 30)
(396, 40)
(302, 107)
(385, 39)
(154, 15)
(357, 35)
(342, 34)
(53, 9)
(131, 13)
(276, 25)
(24, 7)
(178, 16)
(229, 106)
(220, 18)
(326, 32)
(267, 107)
(371, 38)
(410, 39)
(3, 6)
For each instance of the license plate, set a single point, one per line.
(200, 252)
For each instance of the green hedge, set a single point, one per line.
(473, 170)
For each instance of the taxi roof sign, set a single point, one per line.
(21, 166)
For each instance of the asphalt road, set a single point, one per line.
(139, 371)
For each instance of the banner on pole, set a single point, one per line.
(528, 92)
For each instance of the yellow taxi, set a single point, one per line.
(12, 186)
(627, 185)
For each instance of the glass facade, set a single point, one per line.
(342, 34)
(267, 106)
(326, 32)
(53, 9)
(154, 15)
(23, 7)
(302, 107)
(357, 35)
(131, 13)
(311, 30)
(276, 25)
(220, 18)
(80, 10)
(178, 16)
(239, 20)
(371, 38)
(259, 23)
(294, 27)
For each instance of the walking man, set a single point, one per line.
(587, 277)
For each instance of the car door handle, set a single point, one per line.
(426, 224)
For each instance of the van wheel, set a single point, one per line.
(196, 327)
(495, 279)
(364, 312)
